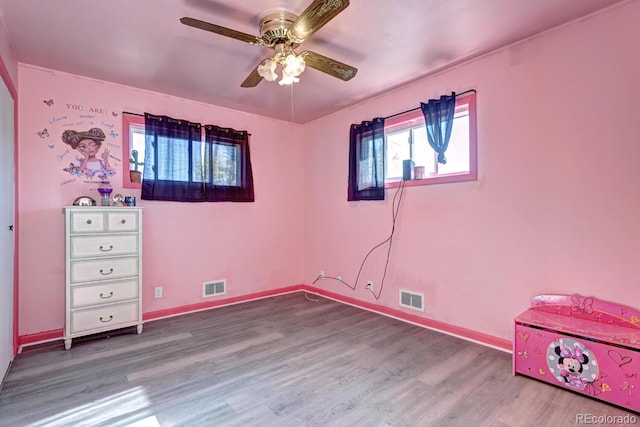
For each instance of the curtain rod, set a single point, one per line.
(417, 108)
(142, 115)
(133, 114)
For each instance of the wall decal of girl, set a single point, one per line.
(88, 143)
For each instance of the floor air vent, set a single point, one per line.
(412, 300)
(217, 287)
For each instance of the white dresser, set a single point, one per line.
(103, 270)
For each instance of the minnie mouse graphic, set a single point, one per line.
(571, 363)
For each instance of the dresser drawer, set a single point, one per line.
(85, 221)
(88, 295)
(103, 245)
(104, 317)
(115, 268)
(121, 221)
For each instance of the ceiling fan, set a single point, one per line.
(283, 32)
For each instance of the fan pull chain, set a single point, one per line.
(291, 104)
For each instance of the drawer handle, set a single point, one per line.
(107, 297)
(106, 250)
(106, 321)
(89, 221)
(106, 274)
(123, 221)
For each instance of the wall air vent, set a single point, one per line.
(217, 287)
(412, 300)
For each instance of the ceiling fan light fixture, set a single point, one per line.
(267, 70)
(288, 79)
(293, 65)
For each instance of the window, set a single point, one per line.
(406, 139)
(224, 165)
(134, 144)
(133, 147)
(186, 161)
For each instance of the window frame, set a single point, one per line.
(413, 118)
(127, 121)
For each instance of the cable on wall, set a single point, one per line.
(395, 209)
(339, 279)
(308, 296)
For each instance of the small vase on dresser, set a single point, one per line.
(103, 270)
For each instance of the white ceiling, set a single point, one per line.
(142, 44)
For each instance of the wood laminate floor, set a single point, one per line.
(281, 361)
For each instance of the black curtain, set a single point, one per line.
(366, 161)
(180, 166)
(438, 119)
(172, 146)
(227, 173)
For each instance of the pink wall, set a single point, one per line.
(7, 56)
(254, 246)
(556, 204)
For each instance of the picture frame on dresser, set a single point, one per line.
(103, 256)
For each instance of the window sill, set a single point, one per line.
(441, 179)
(126, 183)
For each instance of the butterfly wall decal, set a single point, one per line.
(51, 146)
(113, 134)
(114, 114)
(49, 102)
(44, 133)
(73, 170)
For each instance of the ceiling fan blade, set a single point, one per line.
(222, 31)
(314, 17)
(330, 66)
(252, 79)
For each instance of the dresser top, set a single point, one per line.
(102, 208)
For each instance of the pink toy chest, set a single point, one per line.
(581, 344)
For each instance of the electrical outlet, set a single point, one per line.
(158, 292)
(370, 286)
